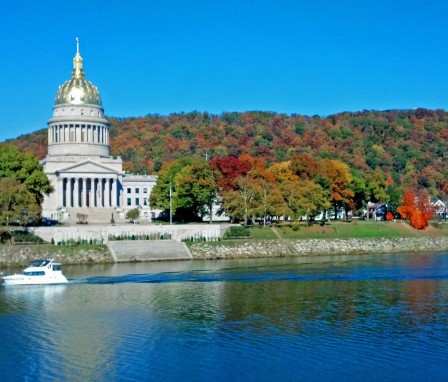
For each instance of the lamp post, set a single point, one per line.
(171, 205)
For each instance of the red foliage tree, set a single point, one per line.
(228, 168)
(407, 207)
(389, 216)
(416, 209)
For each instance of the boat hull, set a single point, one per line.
(33, 280)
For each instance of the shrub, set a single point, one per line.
(237, 232)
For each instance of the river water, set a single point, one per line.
(341, 318)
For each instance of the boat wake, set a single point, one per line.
(225, 276)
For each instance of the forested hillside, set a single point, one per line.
(408, 147)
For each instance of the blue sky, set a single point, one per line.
(305, 57)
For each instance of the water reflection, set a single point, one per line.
(357, 318)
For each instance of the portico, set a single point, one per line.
(85, 191)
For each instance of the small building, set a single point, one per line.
(439, 208)
(376, 211)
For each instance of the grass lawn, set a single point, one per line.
(355, 229)
(343, 230)
(262, 233)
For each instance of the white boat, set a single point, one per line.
(38, 272)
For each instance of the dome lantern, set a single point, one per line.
(77, 90)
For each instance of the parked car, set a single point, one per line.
(48, 222)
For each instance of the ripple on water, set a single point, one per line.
(350, 321)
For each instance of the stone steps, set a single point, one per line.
(148, 250)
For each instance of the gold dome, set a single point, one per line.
(78, 90)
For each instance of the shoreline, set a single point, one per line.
(15, 256)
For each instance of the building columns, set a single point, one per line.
(114, 193)
(60, 192)
(84, 192)
(107, 192)
(69, 202)
(76, 193)
(80, 192)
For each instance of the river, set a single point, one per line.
(339, 318)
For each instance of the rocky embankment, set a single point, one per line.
(14, 256)
(283, 248)
(19, 256)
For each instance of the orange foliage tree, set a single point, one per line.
(416, 209)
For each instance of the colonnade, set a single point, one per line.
(88, 192)
(78, 133)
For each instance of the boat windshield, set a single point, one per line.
(39, 263)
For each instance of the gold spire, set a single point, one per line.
(77, 63)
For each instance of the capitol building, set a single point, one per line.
(87, 180)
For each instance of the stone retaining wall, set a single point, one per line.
(282, 248)
(15, 256)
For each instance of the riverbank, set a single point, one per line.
(16, 256)
(237, 249)
(19, 255)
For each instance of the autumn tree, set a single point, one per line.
(408, 205)
(268, 198)
(228, 169)
(305, 166)
(241, 203)
(283, 172)
(416, 208)
(339, 177)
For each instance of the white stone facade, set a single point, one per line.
(86, 179)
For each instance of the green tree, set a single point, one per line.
(17, 204)
(160, 194)
(192, 186)
(26, 170)
(269, 199)
(312, 199)
(304, 198)
(376, 187)
(358, 187)
(195, 189)
(133, 214)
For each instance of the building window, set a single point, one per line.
(129, 201)
(145, 190)
(137, 201)
(129, 190)
(145, 202)
(137, 190)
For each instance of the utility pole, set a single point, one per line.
(171, 205)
